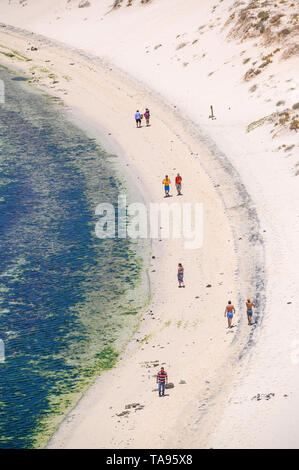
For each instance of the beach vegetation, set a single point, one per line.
(253, 125)
(294, 125)
(21, 56)
(117, 3)
(13, 53)
(7, 54)
(276, 19)
(181, 45)
(84, 4)
(145, 339)
(52, 76)
(263, 15)
(251, 73)
(284, 117)
(290, 51)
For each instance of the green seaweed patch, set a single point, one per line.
(104, 360)
(21, 56)
(7, 54)
(130, 312)
(145, 339)
(52, 76)
(14, 54)
(68, 395)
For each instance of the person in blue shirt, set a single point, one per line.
(138, 118)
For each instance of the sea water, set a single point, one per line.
(66, 297)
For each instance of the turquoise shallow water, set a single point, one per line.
(66, 297)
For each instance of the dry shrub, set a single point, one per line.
(276, 19)
(294, 125)
(181, 45)
(117, 3)
(284, 32)
(284, 116)
(258, 20)
(251, 73)
(263, 15)
(84, 4)
(290, 51)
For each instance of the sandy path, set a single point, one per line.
(187, 330)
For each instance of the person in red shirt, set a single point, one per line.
(161, 378)
(178, 183)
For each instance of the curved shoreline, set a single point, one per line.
(221, 174)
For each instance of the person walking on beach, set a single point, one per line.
(161, 378)
(181, 275)
(147, 116)
(138, 118)
(249, 306)
(166, 183)
(178, 183)
(229, 313)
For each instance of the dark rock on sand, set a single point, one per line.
(170, 385)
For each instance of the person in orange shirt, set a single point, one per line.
(166, 183)
(178, 183)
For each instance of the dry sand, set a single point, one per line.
(241, 385)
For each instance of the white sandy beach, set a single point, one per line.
(242, 385)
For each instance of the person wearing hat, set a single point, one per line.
(249, 306)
